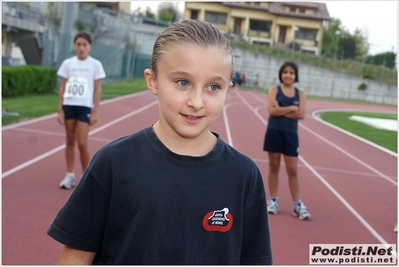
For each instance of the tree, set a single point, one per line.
(147, 13)
(53, 13)
(168, 11)
(388, 58)
(362, 45)
(330, 36)
(336, 39)
(349, 47)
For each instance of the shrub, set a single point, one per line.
(367, 74)
(362, 87)
(28, 80)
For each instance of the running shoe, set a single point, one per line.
(301, 212)
(68, 182)
(272, 207)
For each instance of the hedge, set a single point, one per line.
(28, 80)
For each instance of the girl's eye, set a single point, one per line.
(182, 83)
(214, 87)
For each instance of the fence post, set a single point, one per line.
(382, 71)
(129, 56)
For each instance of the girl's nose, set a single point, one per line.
(196, 100)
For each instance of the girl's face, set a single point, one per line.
(191, 84)
(288, 75)
(82, 48)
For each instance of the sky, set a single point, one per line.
(378, 20)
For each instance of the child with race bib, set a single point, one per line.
(78, 102)
(173, 192)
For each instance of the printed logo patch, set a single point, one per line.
(218, 220)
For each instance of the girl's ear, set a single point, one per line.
(230, 85)
(151, 81)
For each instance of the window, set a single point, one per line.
(292, 9)
(194, 14)
(259, 25)
(301, 10)
(212, 17)
(308, 34)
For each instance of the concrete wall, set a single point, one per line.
(314, 80)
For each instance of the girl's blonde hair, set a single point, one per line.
(197, 32)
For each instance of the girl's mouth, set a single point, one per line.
(192, 119)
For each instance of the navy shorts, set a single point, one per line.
(278, 141)
(77, 113)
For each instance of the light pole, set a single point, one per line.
(337, 33)
(293, 41)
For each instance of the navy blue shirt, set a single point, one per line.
(281, 122)
(140, 203)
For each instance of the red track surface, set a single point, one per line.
(350, 188)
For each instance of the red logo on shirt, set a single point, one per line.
(218, 220)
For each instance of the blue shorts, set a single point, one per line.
(77, 113)
(278, 141)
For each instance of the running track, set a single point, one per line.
(349, 187)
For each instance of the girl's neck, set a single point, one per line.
(187, 147)
(82, 58)
(287, 86)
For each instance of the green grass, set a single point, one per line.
(34, 106)
(112, 90)
(384, 138)
(29, 107)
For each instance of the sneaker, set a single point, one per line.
(301, 212)
(272, 207)
(395, 229)
(68, 182)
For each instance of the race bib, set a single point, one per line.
(76, 87)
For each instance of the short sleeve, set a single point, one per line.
(63, 70)
(99, 72)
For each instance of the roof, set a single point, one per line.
(277, 8)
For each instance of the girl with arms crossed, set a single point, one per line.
(173, 192)
(286, 105)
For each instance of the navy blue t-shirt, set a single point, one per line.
(140, 203)
(282, 122)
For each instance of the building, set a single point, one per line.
(26, 27)
(297, 25)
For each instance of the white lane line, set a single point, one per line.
(58, 134)
(226, 123)
(348, 206)
(123, 117)
(353, 173)
(12, 126)
(55, 150)
(39, 132)
(30, 162)
(342, 199)
(350, 155)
